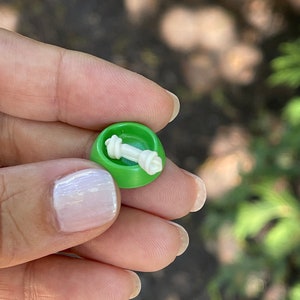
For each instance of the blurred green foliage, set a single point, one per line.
(264, 210)
(286, 67)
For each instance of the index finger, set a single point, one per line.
(47, 83)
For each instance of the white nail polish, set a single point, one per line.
(84, 200)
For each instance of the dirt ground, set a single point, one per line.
(217, 86)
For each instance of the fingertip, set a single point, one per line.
(64, 203)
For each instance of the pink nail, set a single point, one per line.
(84, 200)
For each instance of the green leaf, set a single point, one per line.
(292, 112)
(251, 218)
(286, 67)
(289, 77)
(283, 200)
(294, 293)
(283, 62)
(290, 47)
(282, 238)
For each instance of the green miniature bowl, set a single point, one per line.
(127, 174)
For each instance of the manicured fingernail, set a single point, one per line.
(176, 106)
(201, 192)
(136, 285)
(84, 200)
(201, 195)
(184, 238)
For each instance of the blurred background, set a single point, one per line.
(235, 65)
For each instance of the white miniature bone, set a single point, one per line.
(148, 160)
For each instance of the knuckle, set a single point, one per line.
(29, 286)
(32, 284)
(8, 151)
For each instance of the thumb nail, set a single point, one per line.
(84, 200)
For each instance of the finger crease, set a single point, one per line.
(58, 101)
(3, 189)
(19, 230)
(30, 292)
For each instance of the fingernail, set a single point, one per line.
(84, 200)
(184, 238)
(176, 106)
(201, 192)
(136, 285)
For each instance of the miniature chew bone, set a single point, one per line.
(148, 160)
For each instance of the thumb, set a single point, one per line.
(51, 206)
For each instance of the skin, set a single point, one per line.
(53, 103)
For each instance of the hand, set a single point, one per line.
(53, 103)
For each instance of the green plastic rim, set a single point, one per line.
(126, 173)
